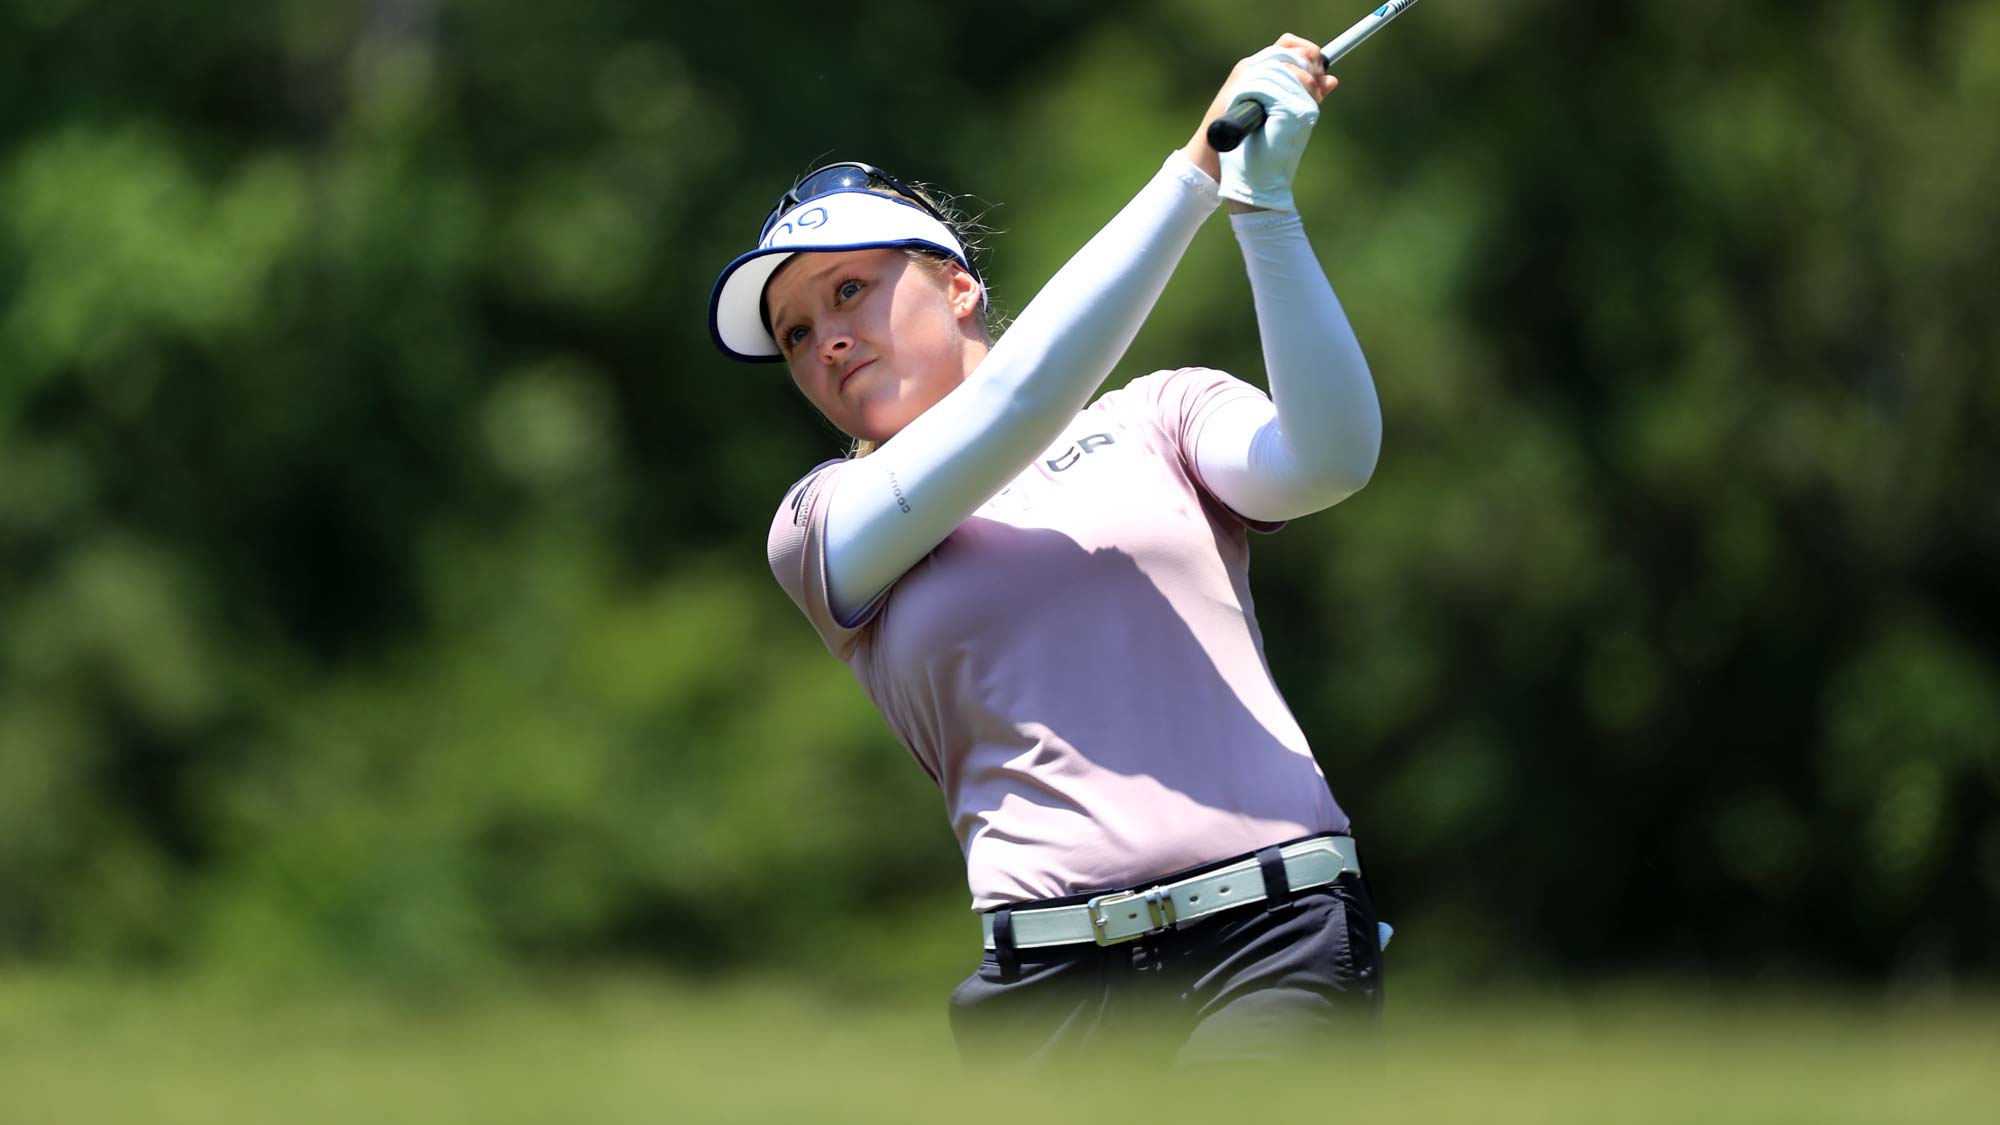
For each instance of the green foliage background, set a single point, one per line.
(381, 585)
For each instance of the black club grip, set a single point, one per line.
(1243, 119)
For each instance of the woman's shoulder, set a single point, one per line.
(796, 502)
(1171, 379)
(1168, 392)
(812, 475)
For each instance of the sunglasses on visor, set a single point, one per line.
(847, 175)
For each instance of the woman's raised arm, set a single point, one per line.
(889, 509)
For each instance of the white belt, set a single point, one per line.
(1125, 915)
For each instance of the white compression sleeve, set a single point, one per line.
(1316, 442)
(889, 509)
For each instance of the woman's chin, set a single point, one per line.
(880, 424)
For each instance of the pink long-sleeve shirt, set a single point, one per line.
(1078, 665)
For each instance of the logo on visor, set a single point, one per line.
(803, 220)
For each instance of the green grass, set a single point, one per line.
(633, 1050)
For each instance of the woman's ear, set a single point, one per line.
(963, 291)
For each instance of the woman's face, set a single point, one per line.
(872, 338)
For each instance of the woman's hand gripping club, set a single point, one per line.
(1289, 80)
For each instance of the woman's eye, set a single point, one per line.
(847, 289)
(794, 335)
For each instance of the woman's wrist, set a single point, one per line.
(1199, 153)
(1261, 222)
(1205, 160)
(1189, 171)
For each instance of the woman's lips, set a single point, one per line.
(851, 373)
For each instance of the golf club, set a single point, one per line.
(1247, 115)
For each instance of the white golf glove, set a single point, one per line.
(1259, 171)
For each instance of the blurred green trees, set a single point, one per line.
(381, 581)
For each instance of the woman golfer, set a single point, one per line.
(1049, 602)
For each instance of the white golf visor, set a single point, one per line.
(841, 220)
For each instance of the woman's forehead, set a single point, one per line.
(818, 263)
(802, 271)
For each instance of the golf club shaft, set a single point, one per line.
(1247, 115)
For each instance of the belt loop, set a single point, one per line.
(1276, 889)
(1003, 944)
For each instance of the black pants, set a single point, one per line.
(1261, 983)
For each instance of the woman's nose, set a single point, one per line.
(834, 345)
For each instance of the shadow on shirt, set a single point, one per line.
(1108, 703)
